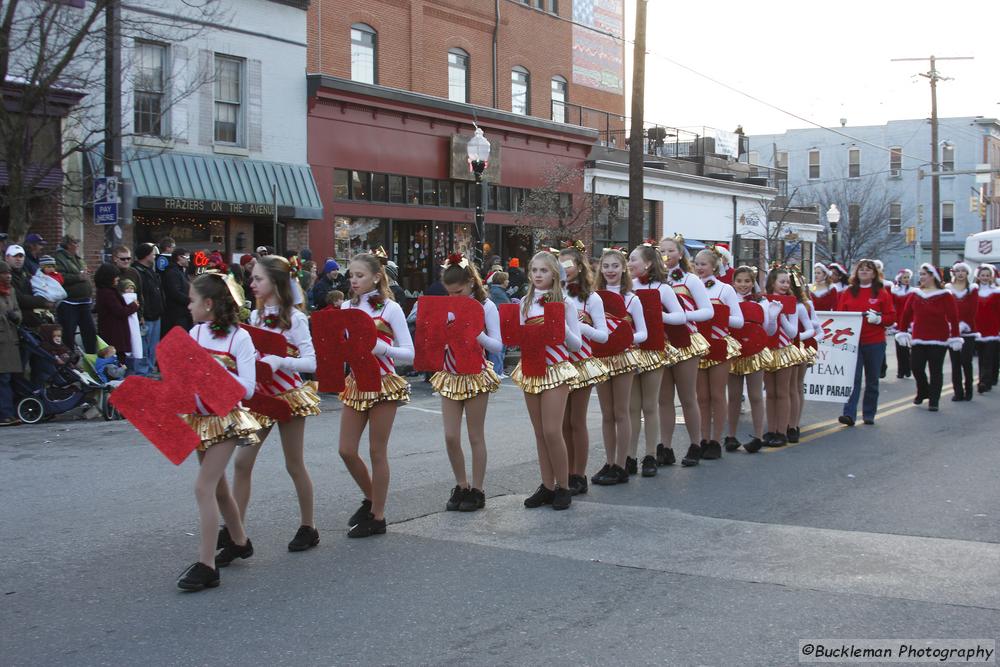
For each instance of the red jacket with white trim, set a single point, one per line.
(933, 315)
(967, 300)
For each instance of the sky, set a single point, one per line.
(820, 60)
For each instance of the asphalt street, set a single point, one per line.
(884, 531)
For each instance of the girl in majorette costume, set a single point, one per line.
(467, 393)
(966, 294)
(823, 296)
(691, 346)
(645, 264)
(901, 291)
(839, 279)
(713, 369)
(216, 314)
(615, 394)
(271, 282)
(589, 369)
(755, 356)
(932, 312)
(785, 356)
(376, 410)
(806, 340)
(545, 396)
(988, 323)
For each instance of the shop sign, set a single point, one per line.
(213, 207)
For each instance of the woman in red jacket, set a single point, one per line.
(900, 292)
(933, 314)
(113, 312)
(868, 296)
(988, 323)
(966, 296)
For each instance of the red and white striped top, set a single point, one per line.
(724, 294)
(394, 342)
(593, 325)
(572, 342)
(692, 295)
(301, 355)
(634, 308)
(489, 339)
(234, 352)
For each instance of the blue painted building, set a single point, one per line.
(821, 164)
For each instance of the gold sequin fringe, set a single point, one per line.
(651, 360)
(304, 402)
(238, 425)
(756, 362)
(785, 357)
(394, 388)
(462, 387)
(733, 350)
(810, 353)
(628, 361)
(698, 348)
(555, 375)
(589, 371)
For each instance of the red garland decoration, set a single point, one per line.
(544, 299)
(645, 279)
(434, 333)
(377, 302)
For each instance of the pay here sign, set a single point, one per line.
(831, 378)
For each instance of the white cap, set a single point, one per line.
(14, 250)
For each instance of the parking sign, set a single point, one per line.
(106, 200)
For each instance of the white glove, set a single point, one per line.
(273, 361)
(874, 317)
(955, 343)
(964, 328)
(904, 339)
(774, 307)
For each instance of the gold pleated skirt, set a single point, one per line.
(755, 362)
(394, 388)
(651, 360)
(589, 371)
(304, 402)
(733, 351)
(785, 357)
(628, 361)
(458, 387)
(699, 347)
(239, 425)
(810, 353)
(555, 375)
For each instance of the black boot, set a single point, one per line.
(360, 513)
(692, 457)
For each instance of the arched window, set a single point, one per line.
(520, 91)
(559, 91)
(458, 76)
(363, 58)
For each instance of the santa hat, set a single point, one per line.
(992, 269)
(905, 272)
(819, 266)
(962, 265)
(727, 256)
(839, 267)
(879, 265)
(931, 269)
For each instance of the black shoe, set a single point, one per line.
(601, 476)
(232, 552)
(665, 455)
(777, 440)
(197, 577)
(932, 407)
(731, 444)
(561, 498)
(957, 397)
(474, 500)
(692, 457)
(968, 395)
(224, 539)
(457, 496)
(577, 484)
(649, 466)
(367, 527)
(792, 434)
(982, 388)
(846, 420)
(541, 496)
(619, 474)
(869, 421)
(305, 538)
(711, 451)
(631, 465)
(361, 513)
(918, 399)
(753, 446)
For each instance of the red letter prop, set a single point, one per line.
(345, 337)
(788, 302)
(621, 334)
(652, 312)
(153, 406)
(533, 339)
(434, 331)
(267, 342)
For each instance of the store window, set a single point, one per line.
(360, 185)
(363, 60)
(396, 195)
(611, 224)
(380, 188)
(357, 235)
(341, 184)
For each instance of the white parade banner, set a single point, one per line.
(831, 378)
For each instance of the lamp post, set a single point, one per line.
(478, 150)
(833, 217)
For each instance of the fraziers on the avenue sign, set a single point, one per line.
(106, 200)
(831, 378)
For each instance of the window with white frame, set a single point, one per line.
(947, 217)
(813, 164)
(781, 160)
(150, 86)
(895, 161)
(559, 88)
(363, 44)
(229, 73)
(948, 157)
(520, 91)
(458, 76)
(895, 217)
(854, 163)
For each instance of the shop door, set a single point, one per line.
(411, 250)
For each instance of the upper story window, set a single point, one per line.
(895, 218)
(895, 161)
(229, 74)
(947, 157)
(781, 160)
(458, 76)
(854, 163)
(150, 86)
(520, 91)
(559, 90)
(551, 6)
(947, 217)
(363, 45)
(813, 164)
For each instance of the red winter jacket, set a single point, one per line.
(988, 313)
(862, 303)
(934, 316)
(967, 302)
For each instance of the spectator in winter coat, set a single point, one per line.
(21, 284)
(74, 311)
(330, 280)
(151, 298)
(10, 345)
(112, 311)
(34, 246)
(175, 293)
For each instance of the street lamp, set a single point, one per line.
(833, 217)
(478, 150)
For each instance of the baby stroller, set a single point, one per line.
(53, 388)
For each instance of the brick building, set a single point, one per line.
(394, 90)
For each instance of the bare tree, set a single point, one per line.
(550, 213)
(772, 225)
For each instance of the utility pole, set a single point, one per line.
(934, 76)
(636, 152)
(112, 107)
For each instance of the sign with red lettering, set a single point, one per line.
(533, 338)
(345, 337)
(452, 321)
(622, 336)
(831, 378)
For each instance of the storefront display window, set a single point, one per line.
(357, 235)
(396, 190)
(192, 233)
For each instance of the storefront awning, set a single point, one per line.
(221, 185)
